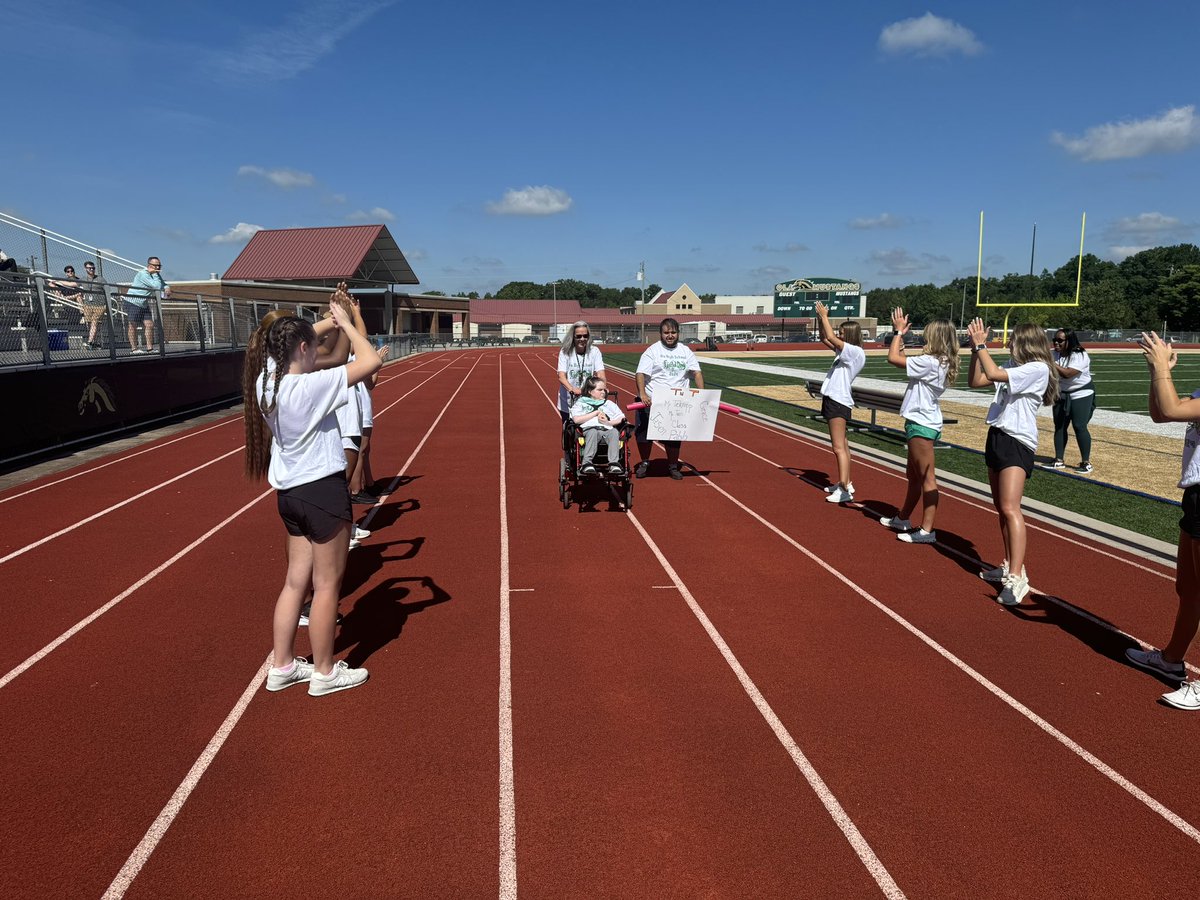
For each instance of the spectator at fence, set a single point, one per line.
(138, 302)
(1076, 399)
(664, 366)
(95, 302)
(7, 263)
(67, 288)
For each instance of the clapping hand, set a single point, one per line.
(978, 332)
(899, 321)
(822, 310)
(1159, 354)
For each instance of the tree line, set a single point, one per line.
(1142, 291)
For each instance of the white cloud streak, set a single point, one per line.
(1172, 132)
(532, 201)
(238, 234)
(883, 220)
(928, 35)
(374, 214)
(306, 36)
(281, 178)
(790, 247)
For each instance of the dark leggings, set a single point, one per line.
(1076, 413)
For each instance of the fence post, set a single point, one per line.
(233, 338)
(110, 319)
(156, 298)
(45, 326)
(45, 254)
(200, 323)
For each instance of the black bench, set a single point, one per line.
(872, 399)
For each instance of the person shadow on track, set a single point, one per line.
(379, 616)
(365, 561)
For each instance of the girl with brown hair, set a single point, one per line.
(1028, 380)
(836, 398)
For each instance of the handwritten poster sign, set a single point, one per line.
(684, 414)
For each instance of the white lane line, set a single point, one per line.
(508, 797)
(158, 828)
(145, 848)
(1088, 757)
(120, 459)
(513, 590)
(116, 506)
(843, 821)
(859, 843)
(149, 576)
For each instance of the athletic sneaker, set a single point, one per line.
(361, 534)
(830, 488)
(362, 497)
(639, 471)
(1187, 697)
(588, 469)
(1152, 661)
(920, 536)
(301, 671)
(1083, 468)
(355, 543)
(1057, 464)
(616, 469)
(840, 495)
(674, 472)
(1014, 591)
(995, 575)
(896, 523)
(304, 610)
(341, 678)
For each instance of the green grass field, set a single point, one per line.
(1140, 514)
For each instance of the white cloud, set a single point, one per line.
(900, 262)
(883, 220)
(1119, 253)
(678, 270)
(487, 262)
(307, 35)
(374, 214)
(928, 35)
(791, 247)
(1173, 131)
(416, 254)
(532, 201)
(771, 273)
(1149, 225)
(282, 178)
(238, 234)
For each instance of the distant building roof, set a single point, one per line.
(358, 254)
(662, 296)
(504, 312)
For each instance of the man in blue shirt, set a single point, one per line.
(137, 304)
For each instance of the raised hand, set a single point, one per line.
(900, 321)
(977, 331)
(822, 310)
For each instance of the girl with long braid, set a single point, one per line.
(305, 464)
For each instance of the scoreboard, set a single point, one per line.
(798, 298)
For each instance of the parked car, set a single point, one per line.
(531, 339)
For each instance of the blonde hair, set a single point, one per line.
(1029, 344)
(851, 333)
(941, 340)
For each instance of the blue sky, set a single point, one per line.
(730, 146)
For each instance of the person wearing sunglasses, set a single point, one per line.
(137, 303)
(1076, 400)
(578, 360)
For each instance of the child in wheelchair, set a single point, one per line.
(598, 418)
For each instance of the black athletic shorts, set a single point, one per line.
(831, 409)
(1003, 451)
(317, 510)
(641, 426)
(1190, 523)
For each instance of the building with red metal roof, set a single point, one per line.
(360, 255)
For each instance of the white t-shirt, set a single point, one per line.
(1081, 384)
(305, 444)
(349, 414)
(922, 397)
(365, 405)
(847, 363)
(1014, 411)
(666, 368)
(578, 369)
(610, 409)
(1190, 473)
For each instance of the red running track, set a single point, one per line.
(735, 689)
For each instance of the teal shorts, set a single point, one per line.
(912, 430)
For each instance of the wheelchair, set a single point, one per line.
(573, 485)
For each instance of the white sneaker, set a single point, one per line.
(355, 543)
(920, 536)
(896, 523)
(1187, 697)
(342, 678)
(301, 672)
(995, 575)
(840, 495)
(830, 488)
(361, 534)
(1014, 591)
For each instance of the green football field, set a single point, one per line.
(1121, 378)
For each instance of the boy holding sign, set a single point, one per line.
(664, 366)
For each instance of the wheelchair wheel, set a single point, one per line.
(629, 496)
(566, 497)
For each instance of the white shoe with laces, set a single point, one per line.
(301, 671)
(1016, 589)
(920, 536)
(361, 534)
(896, 523)
(996, 575)
(340, 678)
(840, 495)
(1187, 697)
